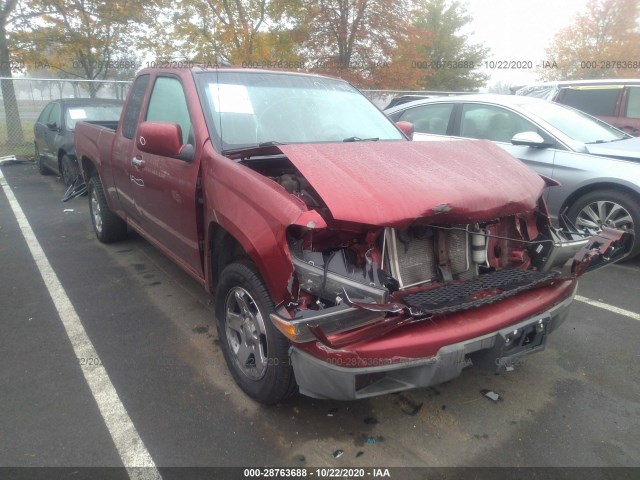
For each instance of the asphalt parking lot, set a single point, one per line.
(152, 331)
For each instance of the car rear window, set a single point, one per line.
(597, 101)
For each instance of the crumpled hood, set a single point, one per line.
(394, 183)
(628, 149)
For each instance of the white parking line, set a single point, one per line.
(130, 447)
(611, 308)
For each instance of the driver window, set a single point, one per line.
(169, 104)
(492, 123)
(54, 115)
(44, 116)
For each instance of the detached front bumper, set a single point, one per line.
(333, 378)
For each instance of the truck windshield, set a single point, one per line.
(247, 109)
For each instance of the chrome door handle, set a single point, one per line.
(137, 162)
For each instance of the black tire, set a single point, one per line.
(41, 168)
(106, 224)
(627, 218)
(68, 169)
(272, 380)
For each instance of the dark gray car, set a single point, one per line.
(597, 165)
(53, 132)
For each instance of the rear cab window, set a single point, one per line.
(131, 114)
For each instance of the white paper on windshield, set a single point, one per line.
(77, 113)
(229, 98)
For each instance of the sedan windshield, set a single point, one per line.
(573, 123)
(253, 108)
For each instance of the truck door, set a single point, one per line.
(122, 156)
(165, 187)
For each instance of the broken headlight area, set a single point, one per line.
(352, 286)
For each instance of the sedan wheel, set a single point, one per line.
(41, 168)
(68, 170)
(605, 214)
(608, 208)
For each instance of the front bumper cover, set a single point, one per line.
(331, 380)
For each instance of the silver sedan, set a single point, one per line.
(597, 165)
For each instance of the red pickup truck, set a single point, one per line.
(346, 260)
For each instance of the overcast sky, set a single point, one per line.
(519, 30)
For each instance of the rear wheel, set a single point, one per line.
(256, 353)
(107, 225)
(68, 170)
(608, 208)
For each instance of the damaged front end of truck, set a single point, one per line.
(414, 274)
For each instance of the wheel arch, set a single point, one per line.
(224, 246)
(592, 187)
(87, 168)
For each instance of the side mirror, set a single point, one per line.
(406, 128)
(52, 126)
(163, 139)
(529, 139)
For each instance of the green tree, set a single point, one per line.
(14, 127)
(233, 31)
(88, 39)
(447, 48)
(369, 42)
(607, 31)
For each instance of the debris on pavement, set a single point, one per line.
(68, 210)
(509, 368)
(371, 420)
(338, 453)
(11, 160)
(300, 458)
(359, 454)
(491, 395)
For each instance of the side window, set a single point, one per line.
(429, 118)
(54, 115)
(169, 104)
(130, 119)
(594, 101)
(492, 123)
(633, 102)
(44, 116)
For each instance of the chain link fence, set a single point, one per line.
(22, 100)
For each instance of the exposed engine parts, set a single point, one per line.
(427, 269)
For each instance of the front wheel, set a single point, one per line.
(107, 225)
(608, 208)
(256, 353)
(41, 167)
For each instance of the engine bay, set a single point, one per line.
(426, 268)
